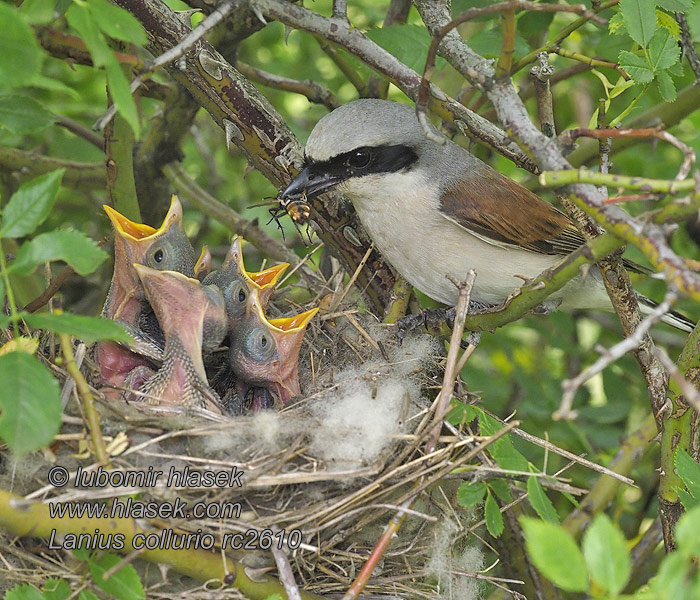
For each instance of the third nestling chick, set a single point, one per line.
(193, 320)
(265, 354)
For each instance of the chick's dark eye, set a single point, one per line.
(242, 296)
(360, 159)
(158, 256)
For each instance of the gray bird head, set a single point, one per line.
(365, 138)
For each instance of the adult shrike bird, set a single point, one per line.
(436, 210)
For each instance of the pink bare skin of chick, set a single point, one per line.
(193, 319)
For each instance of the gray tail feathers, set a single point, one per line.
(673, 318)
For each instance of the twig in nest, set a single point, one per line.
(571, 386)
(285, 573)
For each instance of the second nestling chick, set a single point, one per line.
(265, 354)
(193, 320)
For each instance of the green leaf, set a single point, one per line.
(555, 554)
(73, 247)
(637, 67)
(606, 554)
(488, 43)
(87, 595)
(30, 402)
(499, 487)
(540, 502)
(616, 25)
(83, 22)
(687, 529)
(117, 23)
(88, 329)
(675, 5)
(20, 54)
(56, 589)
(23, 591)
(663, 50)
(123, 585)
(30, 205)
(22, 114)
(470, 494)
(122, 97)
(668, 23)
(666, 86)
(689, 472)
(38, 12)
(493, 516)
(534, 23)
(408, 43)
(502, 450)
(80, 19)
(640, 19)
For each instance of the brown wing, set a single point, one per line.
(500, 211)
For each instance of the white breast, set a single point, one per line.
(400, 213)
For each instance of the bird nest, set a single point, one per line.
(329, 469)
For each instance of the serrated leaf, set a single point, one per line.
(687, 500)
(666, 86)
(616, 25)
(30, 205)
(23, 591)
(689, 472)
(606, 554)
(636, 66)
(668, 23)
(493, 516)
(87, 329)
(20, 52)
(663, 50)
(22, 114)
(675, 5)
(30, 402)
(117, 23)
(640, 19)
(409, 43)
(470, 494)
(555, 554)
(540, 502)
(56, 589)
(72, 247)
(123, 585)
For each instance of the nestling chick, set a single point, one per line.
(265, 353)
(164, 248)
(193, 319)
(237, 284)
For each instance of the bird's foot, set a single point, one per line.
(437, 321)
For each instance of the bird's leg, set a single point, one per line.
(437, 322)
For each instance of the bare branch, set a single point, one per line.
(609, 356)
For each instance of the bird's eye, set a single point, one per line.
(157, 258)
(360, 159)
(260, 344)
(236, 295)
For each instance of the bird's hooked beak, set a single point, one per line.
(129, 230)
(264, 281)
(310, 182)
